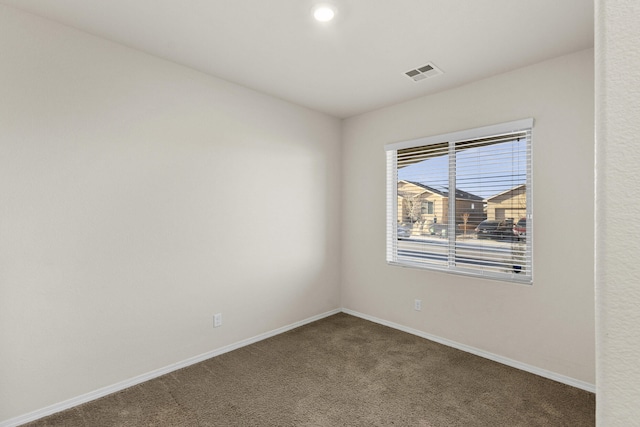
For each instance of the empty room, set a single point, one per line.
(319, 213)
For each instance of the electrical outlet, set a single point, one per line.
(417, 305)
(217, 320)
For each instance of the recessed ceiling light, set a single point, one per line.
(324, 12)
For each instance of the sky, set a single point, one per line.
(483, 171)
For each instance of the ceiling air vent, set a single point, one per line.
(424, 72)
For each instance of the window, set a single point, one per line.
(478, 216)
(427, 208)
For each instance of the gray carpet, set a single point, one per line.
(340, 371)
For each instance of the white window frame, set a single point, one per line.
(525, 276)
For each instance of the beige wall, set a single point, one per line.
(128, 213)
(549, 325)
(617, 227)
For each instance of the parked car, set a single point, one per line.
(487, 229)
(495, 229)
(403, 231)
(520, 229)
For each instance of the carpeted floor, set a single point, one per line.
(340, 371)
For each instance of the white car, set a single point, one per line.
(403, 231)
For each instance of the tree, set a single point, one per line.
(413, 205)
(465, 219)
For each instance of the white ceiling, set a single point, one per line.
(351, 65)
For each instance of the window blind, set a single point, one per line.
(461, 202)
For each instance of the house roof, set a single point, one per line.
(460, 194)
(506, 191)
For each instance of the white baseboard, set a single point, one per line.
(70, 403)
(88, 397)
(504, 360)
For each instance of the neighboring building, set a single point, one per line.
(419, 203)
(508, 204)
